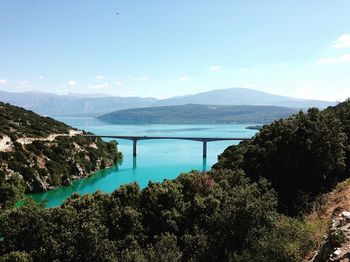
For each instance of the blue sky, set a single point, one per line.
(164, 48)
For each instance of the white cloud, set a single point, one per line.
(326, 60)
(99, 86)
(118, 83)
(243, 70)
(215, 68)
(142, 78)
(342, 41)
(333, 60)
(41, 77)
(185, 78)
(24, 84)
(344, 58)
(3, 81)
(100, 77)
(71, 83)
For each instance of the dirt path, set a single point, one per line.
(7, 145)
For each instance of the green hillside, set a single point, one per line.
(198, 114)
(45, 153)
(302, 156)
(17, 122)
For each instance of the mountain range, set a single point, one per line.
(72, 104)
(99, 104)
(242, 96)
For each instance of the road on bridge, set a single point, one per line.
(204, 140)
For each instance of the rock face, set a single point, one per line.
(336, 245)
(5, 144)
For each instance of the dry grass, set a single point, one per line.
(333, 203)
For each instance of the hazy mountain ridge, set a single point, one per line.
(198, 114)
(243, 96)
(72, 104)
(99, 104)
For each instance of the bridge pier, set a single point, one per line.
(134, 139)
(204, 149)
(134, 147)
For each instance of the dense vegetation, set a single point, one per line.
(302, 156)
(198, 114)
(41, 164)
(17, 122)
(215, 216)
(246, 209)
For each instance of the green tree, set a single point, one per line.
(11, 190)
(301, 156)
(16, 256)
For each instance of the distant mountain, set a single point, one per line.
(198, 114)
(98, 104)
(72, 104)
(242, 96)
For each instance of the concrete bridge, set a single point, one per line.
(204, 140)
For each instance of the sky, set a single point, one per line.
(161, 48)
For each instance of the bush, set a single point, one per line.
(11, 190)
(290, 239)
(16, 256)
(198, 216)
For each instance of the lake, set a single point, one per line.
(156, 160)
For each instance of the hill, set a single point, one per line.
(98, 104)
(242, 96)
(198, 114)
(45, 153)
(303, 156)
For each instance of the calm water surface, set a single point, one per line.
(157, 159)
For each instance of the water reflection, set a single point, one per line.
(81, 186)
(134, 162)
(204, 164)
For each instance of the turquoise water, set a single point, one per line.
(156, 160)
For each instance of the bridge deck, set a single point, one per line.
(201, 139)
(204, 140)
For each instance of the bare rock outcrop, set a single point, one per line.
(336, 245)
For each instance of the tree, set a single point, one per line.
(11, 190)
(198, 216)
(301, 156)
